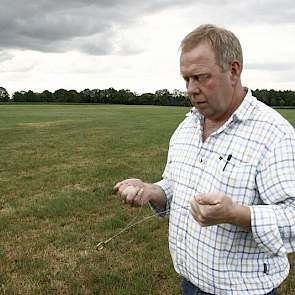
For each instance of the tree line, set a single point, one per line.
(125, 96)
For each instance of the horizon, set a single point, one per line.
(98, 45)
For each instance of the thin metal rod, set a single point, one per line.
(100, 246)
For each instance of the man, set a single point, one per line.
(229, 181)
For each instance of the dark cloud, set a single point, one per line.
(96, 26)
(56, 26)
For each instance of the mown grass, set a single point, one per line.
(58, 165)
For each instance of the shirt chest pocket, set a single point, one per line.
(233, 177)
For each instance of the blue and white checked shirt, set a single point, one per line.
(225, 259)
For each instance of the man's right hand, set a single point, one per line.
(133, 191)
(137, 193)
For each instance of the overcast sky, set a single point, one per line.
(133, 44)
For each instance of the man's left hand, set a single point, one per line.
(216, 208)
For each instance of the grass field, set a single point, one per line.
(58, 165)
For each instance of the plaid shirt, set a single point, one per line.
(224, 258)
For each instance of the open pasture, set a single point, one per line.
(58, 164)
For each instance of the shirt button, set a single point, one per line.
(184, 213)
(180, 261)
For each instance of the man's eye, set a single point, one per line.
(198, 78)
(203, 77)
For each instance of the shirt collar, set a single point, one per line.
(242, 113)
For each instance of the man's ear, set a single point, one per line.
(235, 71)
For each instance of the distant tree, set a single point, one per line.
(289, 97)
(180, 98)
(111, 95)
(73, 96)
(86, 96)
(19, 96)
(60, 95)
(32, 96)
(4, 96)
(163, 97)
(25, 96)
(46, 96)
(146, 99)
(125, 96)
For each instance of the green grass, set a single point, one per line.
(58, 165)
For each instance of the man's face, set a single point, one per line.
(210, 90)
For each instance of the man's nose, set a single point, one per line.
(192, 87)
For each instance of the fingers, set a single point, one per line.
(212, 208)
(123, 184)
(119, 185)
(129, 194)
(130, 191)
(204, 209)
(197, 212)
(139, 198)
(209, 199)
(194, 207)
(133, 196)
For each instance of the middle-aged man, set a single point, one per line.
(229, 182)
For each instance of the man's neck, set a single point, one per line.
(211, 125)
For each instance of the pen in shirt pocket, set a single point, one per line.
(227, 161)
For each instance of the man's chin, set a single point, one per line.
(202, 107)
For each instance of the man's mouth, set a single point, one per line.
(200, 102)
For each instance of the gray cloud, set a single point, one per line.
(270, 11)
(250, 12)
(280, 72)
(90, 26)
(96, 26)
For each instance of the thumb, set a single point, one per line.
(207, 199)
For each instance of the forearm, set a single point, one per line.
(157, 195)
(241, 216)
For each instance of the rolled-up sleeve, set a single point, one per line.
(163, 212)
(273, 222)
(166, 187)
